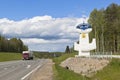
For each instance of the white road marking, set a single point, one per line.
(5, 68)
(30, 72)
(28, 66)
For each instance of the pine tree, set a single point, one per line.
(67, 49)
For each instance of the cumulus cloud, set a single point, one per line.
(41, 29)
(42, 41)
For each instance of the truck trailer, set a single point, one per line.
(27, 55)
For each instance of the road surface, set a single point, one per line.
(19, 70)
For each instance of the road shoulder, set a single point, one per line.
(44, 73)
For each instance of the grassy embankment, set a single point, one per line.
(8, 56)
(65, 74)
(110, 72)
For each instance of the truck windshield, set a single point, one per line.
(25, 54)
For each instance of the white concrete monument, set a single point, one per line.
(83, 45)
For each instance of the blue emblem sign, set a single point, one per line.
(83, 26)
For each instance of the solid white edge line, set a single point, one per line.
(30, 72)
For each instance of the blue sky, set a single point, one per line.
(46, 25)
(22, 9)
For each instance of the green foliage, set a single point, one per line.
(111, 72)
(63, 73)
(67, 49)
(9, 56)
(105, 23)
(12, 45)
(47, 54)
(58, 60)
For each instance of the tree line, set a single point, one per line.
(106, 28)
(39, 54)
(12, 45)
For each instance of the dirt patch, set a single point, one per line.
(85, 66)
(44, 73)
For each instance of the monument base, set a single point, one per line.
(83, 54)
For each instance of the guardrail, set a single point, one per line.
(104, 55)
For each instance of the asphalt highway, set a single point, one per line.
(19, 70)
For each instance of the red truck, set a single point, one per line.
(27, 55)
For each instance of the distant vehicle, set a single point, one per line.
(27, 55)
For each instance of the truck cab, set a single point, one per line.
(27, 55)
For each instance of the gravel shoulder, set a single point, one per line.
(44, 73)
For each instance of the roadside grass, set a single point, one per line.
(8, 56)
(110, 72)
(58, 60)
(63, 73)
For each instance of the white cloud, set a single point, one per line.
(42, 41)
(40, 18)
(41, 29)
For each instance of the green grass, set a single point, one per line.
(58, 60)
(63, 73)
(110, 72)
(6, 56)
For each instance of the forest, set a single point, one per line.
(12, 45)
(106, 28)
